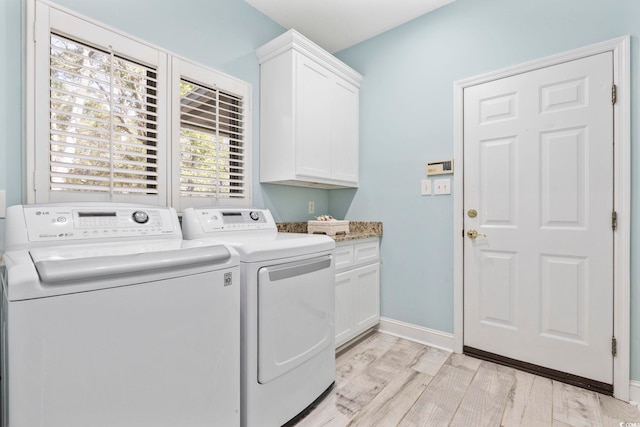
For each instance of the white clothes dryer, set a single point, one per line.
(110, 319)
(287, 310)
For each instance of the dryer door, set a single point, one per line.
(295, 314)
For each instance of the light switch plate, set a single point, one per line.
(425, 187)
(3, 203)
(442, 186)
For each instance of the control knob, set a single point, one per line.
(254, 215)
(141, 217)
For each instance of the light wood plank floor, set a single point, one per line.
(387, 381)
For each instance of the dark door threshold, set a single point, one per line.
(564, 377)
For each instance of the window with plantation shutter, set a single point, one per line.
(213, 153)
(103, 121)
(113, 118)
(211, 143)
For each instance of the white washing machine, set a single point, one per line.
(287, 310)
(110, 319)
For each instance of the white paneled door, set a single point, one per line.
(538, 191)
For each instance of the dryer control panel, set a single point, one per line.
(60, 223)
(214, 219)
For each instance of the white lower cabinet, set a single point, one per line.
(344, 307)
(357, 288)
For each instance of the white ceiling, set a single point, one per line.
(339, 24)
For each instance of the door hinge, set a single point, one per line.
(614, 94)
(614, 220)
(614, 346)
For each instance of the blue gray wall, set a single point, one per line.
(406, 114)
(407, 118)
(10, 104)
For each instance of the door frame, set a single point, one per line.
(621, 48)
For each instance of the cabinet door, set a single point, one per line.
(366, 296)
(364, 253)
(344, 131)
(344, 307)
(313, 119)
(343, 257)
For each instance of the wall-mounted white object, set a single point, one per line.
(3, 203)
(309, 115)
(442, 186)
(425, 187)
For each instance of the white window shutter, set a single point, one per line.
(211, 164)
(97, 113)
(103, 121)
(110, 118)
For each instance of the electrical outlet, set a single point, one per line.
(442, 186)
(425, 187)
(312, 207)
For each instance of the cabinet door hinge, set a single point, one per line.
(614, 346)
(614, 220)
(614, 94)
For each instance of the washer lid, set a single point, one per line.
(41, 272)
(60, 265)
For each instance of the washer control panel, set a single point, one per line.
(235, 219)
(49, 223)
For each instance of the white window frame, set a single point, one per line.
(182, 68)
(42, 18)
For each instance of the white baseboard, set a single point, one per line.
(419, 334)
(634, 392)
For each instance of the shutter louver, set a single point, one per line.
(212, 151)
(103, 121)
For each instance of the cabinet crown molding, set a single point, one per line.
(294, 40)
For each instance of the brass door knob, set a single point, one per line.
(472, 234)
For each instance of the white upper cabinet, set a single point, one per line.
(309, 115)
